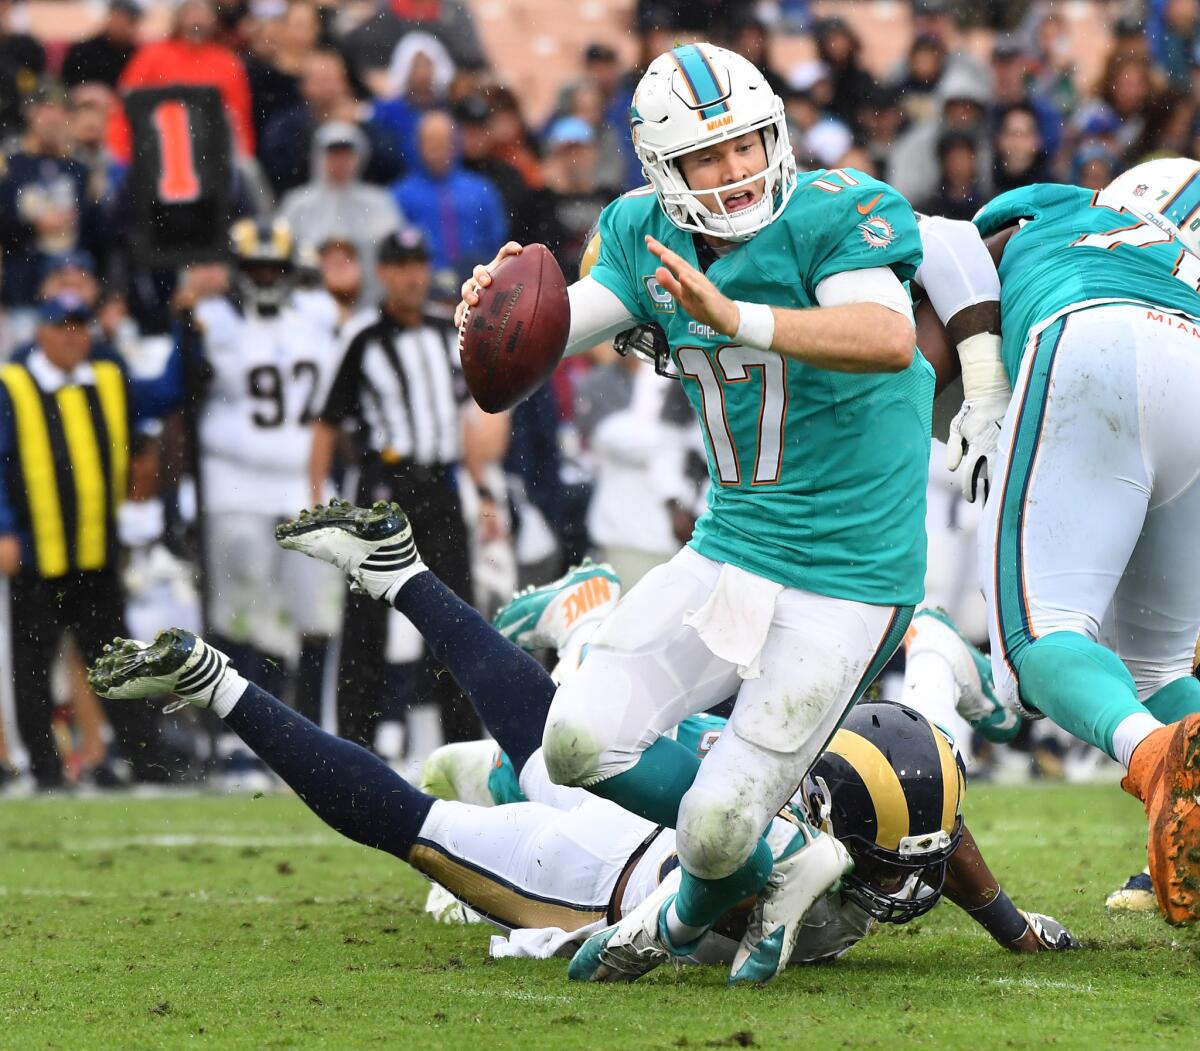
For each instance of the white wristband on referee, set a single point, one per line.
(756, 325)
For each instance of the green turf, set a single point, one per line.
(257, 927)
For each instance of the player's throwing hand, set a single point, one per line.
(693, 291)
(480, 278)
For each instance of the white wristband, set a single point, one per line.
(756, 325)
(983, 372)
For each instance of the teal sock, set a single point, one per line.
(701, 902)
(1175, 700)
(1080, 685)
(654, 786)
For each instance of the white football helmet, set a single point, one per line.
(696, 95)
(1169, 187)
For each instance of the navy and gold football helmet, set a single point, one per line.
(890, 786)
(264, 255)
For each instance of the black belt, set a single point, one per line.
(396, 466)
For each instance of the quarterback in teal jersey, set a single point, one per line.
(784, 300)
(1086, 542)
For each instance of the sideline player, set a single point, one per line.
(783, 300)
(1087, 534)
(575, 863)
(270, 350)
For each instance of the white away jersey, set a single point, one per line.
(269, 377)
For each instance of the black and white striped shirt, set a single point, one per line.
(405, 385)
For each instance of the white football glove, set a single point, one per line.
(975, 430)
(973, 437)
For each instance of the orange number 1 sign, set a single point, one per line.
(178, 181)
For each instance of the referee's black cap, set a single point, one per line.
(403, 246)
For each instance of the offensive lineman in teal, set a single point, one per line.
(784, 301)
(1086, 548)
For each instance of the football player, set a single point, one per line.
(1086, 536)
(783, 300)
(569, 862)
(270, 350)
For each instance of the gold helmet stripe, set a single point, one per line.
(281, 239)
(244, 234)
(883, 786)
(952, 781)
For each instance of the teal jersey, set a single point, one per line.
(696, 733)
(818, 477)
(1073, 251)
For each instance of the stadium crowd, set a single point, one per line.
(379, 157)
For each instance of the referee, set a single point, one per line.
(400, 382)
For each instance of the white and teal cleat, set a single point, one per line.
(635, 945)
(175, 662)
(810, 867)
(548, 616)
(373, 546)
(933, 631)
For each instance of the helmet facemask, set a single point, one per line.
(265, 284)
(682, 204)
(924, 874)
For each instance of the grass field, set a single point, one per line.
(238, 922)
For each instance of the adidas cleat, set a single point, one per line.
(548, 616)
(976, 700)
(175, 662)
(635, 945)
(373, 545)
(811, 866)
(1136, 895)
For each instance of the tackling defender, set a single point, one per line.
(783, 301)
(571, 861)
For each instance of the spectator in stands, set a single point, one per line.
(22, 65)
(749, 39)
(880, 118)
(341, 275)
(102, 58)
(325, 88)
(460, 213)
(370, 47)
(1172, 37)
(1125, 85)
(471, 115)
(936, 18)
(839, 47)
(190, 55)
(510, 136)
(958, 195)
(586, 102)
(1010, 87)
(338, 203)
(418, 79)
(915, 165)
(1094, 166)
(568, 206)
(46, 207)
(1019, 151)
(818, 138)
(279, 36)
(1053, 57)
(89, 106)
(917, 88)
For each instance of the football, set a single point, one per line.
(514, 337)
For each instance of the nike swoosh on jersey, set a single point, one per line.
(863, 209)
